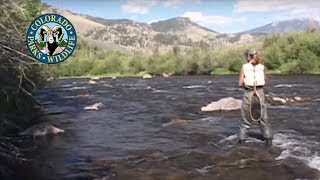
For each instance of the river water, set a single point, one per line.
(130, 137)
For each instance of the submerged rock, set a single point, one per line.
(178, 121)
(225, 104)
(94, 107)
(286, 100)
(42, 130)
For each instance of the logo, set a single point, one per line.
(51, 38)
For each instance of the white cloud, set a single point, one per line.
(175, 3)
(275, 5)
(138, 6)
(287, 9)
(204, 20)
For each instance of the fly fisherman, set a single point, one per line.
(252, 75)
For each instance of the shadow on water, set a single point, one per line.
(130, 137)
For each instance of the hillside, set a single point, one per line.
(130, 35)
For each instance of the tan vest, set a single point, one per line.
(253, 74)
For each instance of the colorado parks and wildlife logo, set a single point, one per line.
(51, 38)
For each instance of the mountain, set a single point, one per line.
(303, 24)
(177, 24)
(125, 34)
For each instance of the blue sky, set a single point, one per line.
(224, 16)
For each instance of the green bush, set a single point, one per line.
(273, 57)
(235, 66)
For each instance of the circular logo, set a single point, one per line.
(51, 38)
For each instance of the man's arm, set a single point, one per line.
(241, 78)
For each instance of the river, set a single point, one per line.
(130, 137)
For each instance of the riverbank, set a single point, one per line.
(117, 75)
(21, 77)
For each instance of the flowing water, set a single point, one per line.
(131, 136)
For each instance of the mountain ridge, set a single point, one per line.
(163, 35)
(297, 24)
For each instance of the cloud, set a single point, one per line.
(175, 3)
(204, 20)
(138, 6)
(286, 9)
(274, 5)
(143, 6)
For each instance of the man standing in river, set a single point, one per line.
(252, 74)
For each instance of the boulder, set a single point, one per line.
(147, 76)
(165, 75)
(225, 104)
(94, 107)
(113, 77)
(42, 130)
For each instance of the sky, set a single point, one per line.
(223, 16)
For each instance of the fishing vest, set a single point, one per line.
(253, 74)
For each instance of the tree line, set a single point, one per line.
(290, 53)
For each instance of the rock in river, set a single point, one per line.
(94, 107)
(286, 100)
(224, 104)
(92, 82)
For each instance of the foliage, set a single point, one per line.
(288, 53)
(21, 74)
(294, 53)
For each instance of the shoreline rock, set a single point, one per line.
(147, 76)
(95, 78)
(42, 130)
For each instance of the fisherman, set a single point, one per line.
(252, 74)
